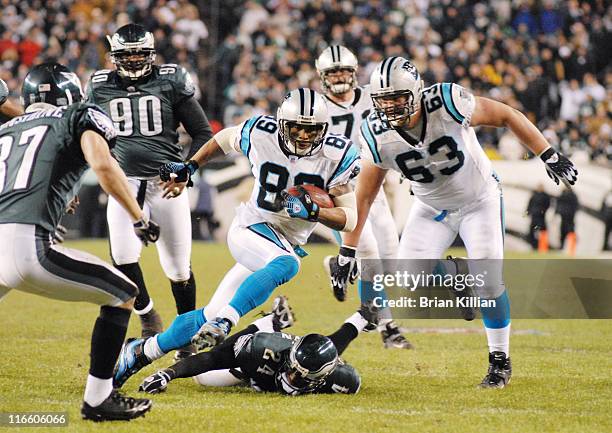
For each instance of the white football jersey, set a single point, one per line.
(446, 165)
(346, 119)
(335, 163)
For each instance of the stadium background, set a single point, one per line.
(550, 59)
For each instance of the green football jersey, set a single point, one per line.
(41, 161)
(144, 116)
(263, 356)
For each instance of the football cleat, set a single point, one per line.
(370, 313)
(461, 268)
(151, 323)
(211, 333)
(282, 314)
(116, 407)
(131, 360)
(500, 371)
(393, 338)
(184, 352)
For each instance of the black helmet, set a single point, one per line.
(51, 83)
(343, 380)
(310, 361)
(132, 51)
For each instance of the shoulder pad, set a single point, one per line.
(458, 102)
(101, 76)
(178, 76)
(335, 146)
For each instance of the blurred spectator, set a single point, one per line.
(567, 206)
(606, 213)
(536, 209)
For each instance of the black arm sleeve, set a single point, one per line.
(343, 337)
(192, 116)
(219, 358)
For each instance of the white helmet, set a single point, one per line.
(302, 121)
(333, 58)
(396, 77)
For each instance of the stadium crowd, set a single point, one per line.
(549, 59)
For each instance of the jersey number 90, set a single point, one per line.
(147, 109)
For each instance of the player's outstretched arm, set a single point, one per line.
(177, 174)
(493, 113)
(113, 182)
(343, 216)
(369, 182)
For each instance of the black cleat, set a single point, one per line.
(461, 268)
(151, 323)
(116, 407)
(212, 333)
(130, 361)
(393, 338)
(282, 314)
(184, 352)
(500, 371)
(370, 313)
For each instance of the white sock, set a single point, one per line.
(499, 339)
(264, 324)
(145, 310)
(228, 312)
(357, 321)
(97, 390)
(152, 349)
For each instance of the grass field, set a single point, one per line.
(562, 369)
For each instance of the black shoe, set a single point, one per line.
(151, 323)
(370, 313)
(184, 352)
(393, 339)
(116, 407)
(461, 268)
(212, 333)
(130, 361)
(500, 371)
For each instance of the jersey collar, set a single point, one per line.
(407, 137)
(356, 99)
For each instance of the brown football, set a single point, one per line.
(318, 195)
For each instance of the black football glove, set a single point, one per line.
(182, 170)
(58, 234)
(157, 382)
(147, 231)
(559, 167)
(343, 270)
(301, 206)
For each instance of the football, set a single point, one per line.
(318, 195)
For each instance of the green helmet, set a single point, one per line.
(51, 83)
(311, 359)
(343, 380)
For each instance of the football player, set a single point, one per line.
(348, 105)
(266, 235)
(147, 102)
(8, 108)
(274, 361)
(43, 154)
(428, 136)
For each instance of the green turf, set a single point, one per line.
(561, 382)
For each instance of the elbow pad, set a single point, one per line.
(348, 204)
